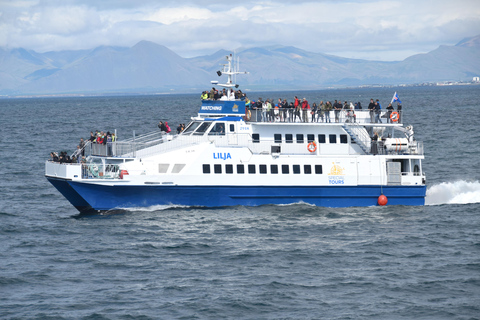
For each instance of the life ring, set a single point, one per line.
(312, 146)
(394, 116)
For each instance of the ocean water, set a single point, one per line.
(271, 262)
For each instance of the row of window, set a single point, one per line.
(262, 168)
(300, 138)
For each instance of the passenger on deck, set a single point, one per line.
(204, 95)
(389, 113)
(284, 110)
(98, 140)
(291, 112)
(53, 156)
(314, 111)
(399, 110)
(328, 108)
(337, 107)
(212, 94)
(305, 110)
(82, 146)
(371, 109)
(378, 112)
(265, 111)
(374, 147)
(109, 144)
(162, 127)
(351, 117)
(321, 112)
(77, 154)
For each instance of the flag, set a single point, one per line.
(396, 98)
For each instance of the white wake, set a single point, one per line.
(458, 192)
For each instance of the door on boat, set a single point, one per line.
(232, 133)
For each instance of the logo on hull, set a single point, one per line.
(336, 175)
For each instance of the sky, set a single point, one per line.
(386, 30)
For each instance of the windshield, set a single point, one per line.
(202, 128)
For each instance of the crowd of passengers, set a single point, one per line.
(214, 94)
(301, 110)
(78, 156)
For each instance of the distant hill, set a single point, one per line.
(148, 67)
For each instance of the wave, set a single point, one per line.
(158, 208)
(458, 192)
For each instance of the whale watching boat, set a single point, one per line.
(228, 156)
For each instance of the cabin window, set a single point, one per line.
(321, 138)
(289, 138)
(273, 169)
(307, 169)
(240, 169)
(202, 128)
(229, 168)
(178, 167)
(343, 138)
(218, 129)
(217, 168)
(285, 169)
(163, 167)
(191, 127)
(256, 138)
(296, 169)
(299, 138)
(251, 168)
(332, 138)
(232, 127)
(275, 149)
(263, 168)
(206, 168)
(277, 137)
(318, 169)
(310, 137)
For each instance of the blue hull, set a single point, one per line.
(88, 197)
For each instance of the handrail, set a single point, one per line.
(344, 116)
(359, 135)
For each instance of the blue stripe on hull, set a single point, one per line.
(111, 197)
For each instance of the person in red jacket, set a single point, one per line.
(305, 110)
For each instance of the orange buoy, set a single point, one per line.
(394, 116)
(382, 200)
(123, 173)
(312, 146)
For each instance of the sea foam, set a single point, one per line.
(458, 192)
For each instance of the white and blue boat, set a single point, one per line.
(227, 156)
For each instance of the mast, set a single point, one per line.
(230, 70)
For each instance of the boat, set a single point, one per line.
(229, 156)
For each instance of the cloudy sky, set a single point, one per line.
(370, 29)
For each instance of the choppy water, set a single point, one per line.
(271, 262)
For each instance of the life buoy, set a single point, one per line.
(394, 116)
(312, 146)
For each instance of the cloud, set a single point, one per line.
(374, 29)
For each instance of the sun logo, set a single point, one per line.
(235, 108)
(336, 170)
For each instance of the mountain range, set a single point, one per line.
(148, 67)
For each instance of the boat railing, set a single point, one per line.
(100, 171)
(359, 135)
(134, 148)
(335, 116)
(414, 148)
